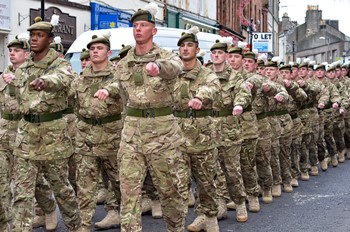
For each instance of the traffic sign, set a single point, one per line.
(262, 42)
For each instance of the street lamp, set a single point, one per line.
(293, 50)
(344, 54)
(326, 41)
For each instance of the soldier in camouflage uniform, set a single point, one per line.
(326, 113)
(151, 136)
(262, 89)
(85, 58)
(234, 96)
(42, 144)
(342, 85)
(249, 127)
(275, 105)
(346, 80)
(10, 115)
(194, 94)
(99, 108)
(292, 135)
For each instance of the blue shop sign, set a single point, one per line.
(105, 17)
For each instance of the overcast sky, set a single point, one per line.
(331, 9)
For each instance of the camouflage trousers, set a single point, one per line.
(203, 167)
(347, 130)
(88, 175)
(275, 150)
(248, 166)
(321, 144)
(112, 201)
(221, 185)
(25, 181)
(331, 147)
(338, 133)
(170, 174)
(44, 201)
(6, 159)
(229, 159)
(148, 188)
(263, 155)
(295, 154)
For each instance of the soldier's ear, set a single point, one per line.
(109, 53)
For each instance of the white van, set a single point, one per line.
(166, 38)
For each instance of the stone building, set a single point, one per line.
(318, 39)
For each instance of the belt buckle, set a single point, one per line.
(215, 113)
(148, 113)
(192, 113)
(34, 118)
(96, 121)
(11, 117)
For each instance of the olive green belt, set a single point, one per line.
(282, 112)
(261, 116)
(270, 113)
(149, 113)
(307, 106)
(294, 116)
(221, 113)
(69, 110)
(37, 118)
(100, 121)
(192, 113)
(11, 117)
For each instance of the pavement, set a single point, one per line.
(321, 204)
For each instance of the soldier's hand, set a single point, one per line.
(301, 83)
(237, 110)
(249, 85)
(152, 69)
(335, 105)
(341, 111)
(265, 87)
(8, 77)
(287, 83)
(195, 104)
(101, 94)
(38, 84)
(320, 106)
(278, 97)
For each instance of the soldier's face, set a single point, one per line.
(144, 32)
(303, 72)
(188, 51)
(218, 56)
(295, 72)
(320, 73)
(249, 65)
(337, 72)
(310, 72)
(261, 71)
(286, 74)
(331, 74)
(271, 72)
(39, 41)
(85, 62)
(17, 55)
(99, 53)
(235, 60)
(344, 71)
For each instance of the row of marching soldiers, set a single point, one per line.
(247, 126)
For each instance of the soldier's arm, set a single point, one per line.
(334, 94)
(323, 96)
(170, 67)
(60, 79)
(113, 89)
(207, 93)
(242, 95)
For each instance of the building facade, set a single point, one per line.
(318, 39)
